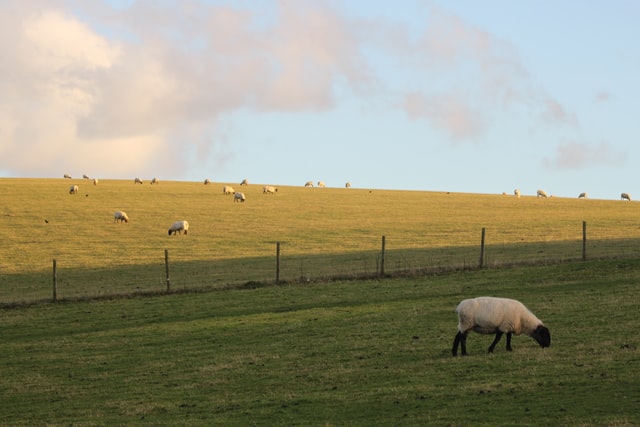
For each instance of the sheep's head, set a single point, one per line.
(542, 335)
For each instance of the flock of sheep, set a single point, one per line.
(544, 195)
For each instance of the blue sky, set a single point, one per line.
(465, 96)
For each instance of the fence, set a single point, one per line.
(285, 262)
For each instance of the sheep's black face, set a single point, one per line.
(542, 336)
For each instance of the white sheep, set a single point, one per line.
(120, 216)
(85, 176)
(625, 196)
(238, 197)
(138, 181)
(347, 185)
(490, 315)
(321, 184)
(155, 181)
(67, 176)
(244, 182)
(269, 189)
(178, 227)
(73, 189)
(516, 192)
(583, 196)
(541, 193)
(207, 181)
(95, 181)
(227, 189)
(308, 184)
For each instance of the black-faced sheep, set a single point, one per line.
(155, 181)
(583, 196)
(541, 193)
(308, 184)
(85, 176)
(207, 181)
(95, 181)
(178, 227)
(120, 216)
(238, 197)
(73, 189)
(347, 185)
(625, 196)
(321, 184)
(269, 189)
(490, 315)
(138, 181)
(67, 176)
(227, 189)
(244, 182)
(516, 193)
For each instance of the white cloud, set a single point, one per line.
(576, 155)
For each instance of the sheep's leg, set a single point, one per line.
(462, 340)
(495, 341)
(509, 341)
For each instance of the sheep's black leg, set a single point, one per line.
(462, 340)
(509, 341)
(495, 341)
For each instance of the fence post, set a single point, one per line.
(55, 280)
(166, 269)
(277, 262)
(584, 240)
(482, 249)
(382, 256)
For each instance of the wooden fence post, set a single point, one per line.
(482, 249)
(584, 240)
(277, 262)
(382, 256)
(166, 269)
(55, 281)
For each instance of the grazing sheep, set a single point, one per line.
(179, 227)
(625, 196)
(95, 181)
(269, 189)
(490, 315)
(238, 197)
(516, 192)
(207, 181)
(138, 181)
(73, 189)
(155, 181)
(541, 193)
(120, 216)
(227, 189)
(85, 176)
(347, 185)
(308, 184)
(583, 196)
(244, 182)
(66, 175)
(321, 184)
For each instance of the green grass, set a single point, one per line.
(324, 233)
(342, 353)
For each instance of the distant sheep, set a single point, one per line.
(321, 184)
(244, 182)
(138, 181)
(155, 181)
(489, 315)
(541, 193)
(227, 189)
(67, 176)
(73, 189)
(583, 196)
(516, 192)
(207, 181)
(85, 176)
(347, 185)
(238, 197)
(95, 181)
(269, 189)
(120, 216)
(625, 196)
(178, 227)
(308, 184)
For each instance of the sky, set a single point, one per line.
(462, 96)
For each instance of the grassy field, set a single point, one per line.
(363, 352)
(324, 233)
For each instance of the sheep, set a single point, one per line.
(489, 315)
(227, 189)
(138, 181)
(73, 189)
(120, 216)
(583, 196)
(244, 182)
(178, 227)
(238, 197)
(95, 181)
(347, 185)
(207, 181)
(67, 176)
(321, 184)
(269, 189)
(541, 193)
(155, 181)
(625, 196)
(308, 184)
(85, 176)
(516, 192)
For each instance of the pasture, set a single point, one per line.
(324, 233)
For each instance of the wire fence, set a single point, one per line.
(179, 269)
